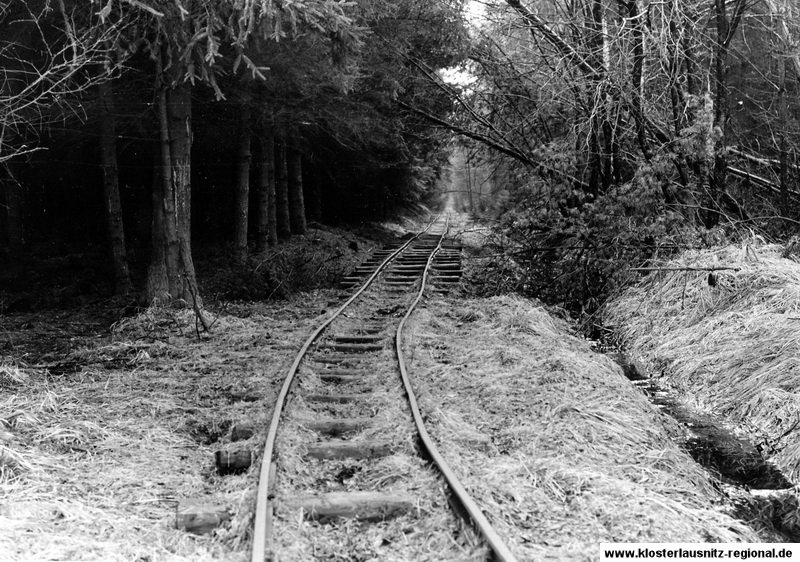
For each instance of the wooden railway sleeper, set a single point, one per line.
(365, 506)
(337, 427)
(357, 338)
(341, 449)
(352, 347)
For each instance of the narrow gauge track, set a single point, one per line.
(346, 448)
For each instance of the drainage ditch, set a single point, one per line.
(759, 494)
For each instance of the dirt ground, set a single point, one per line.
(100, 447)
(109, 425)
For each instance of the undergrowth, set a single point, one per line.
(316, 260)
(573, 249)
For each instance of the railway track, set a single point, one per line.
(349, 471)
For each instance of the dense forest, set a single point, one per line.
(600, 133)
(629, 130)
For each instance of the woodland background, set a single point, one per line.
(137, 135)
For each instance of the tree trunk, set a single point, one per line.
(297, 208)
(282, 217)
(718, 175)
(637, 81)
(14, 202)
(108, 158)
(157, 288)
(242, 185)
(180, 130)
(266, 232)
(171, 277)
(725, 28)
(314, 199)
(468, 175)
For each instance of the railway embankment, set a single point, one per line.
(552, 439)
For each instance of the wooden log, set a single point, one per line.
(338, 427)
(685, 268)
(339, 379)
(367, 506)
(343, 449)
(201, 519)
(332, 398)
(233, 462)
(242, 430)
(772, 162)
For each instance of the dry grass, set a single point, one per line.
(732, 348)
(94, 463)
(551, 439)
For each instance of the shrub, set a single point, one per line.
(572, 248)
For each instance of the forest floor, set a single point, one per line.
(109, 424)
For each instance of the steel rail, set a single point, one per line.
(496, 544)
(262, 526)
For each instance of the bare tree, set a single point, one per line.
(46, 51)
(50, 51)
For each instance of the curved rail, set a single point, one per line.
(262, 526)
(496, 544)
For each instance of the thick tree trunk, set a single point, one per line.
(157, 288)
(297, 208)
(180, 130)
(242, 185)
(171, 278)
(108, 158)
(266, 231)
(282, 217)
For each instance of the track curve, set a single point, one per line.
(410, 272)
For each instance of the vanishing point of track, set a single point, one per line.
(392, 277)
